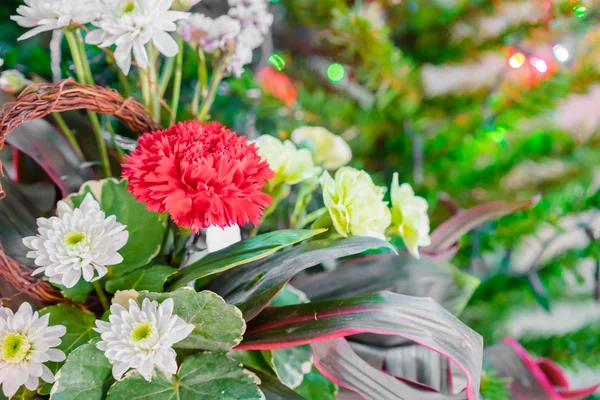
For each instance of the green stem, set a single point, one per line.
(101, 295)
(167, 74)
(177, 82)
(68, 133)
(145, 81)
(120, 152)
(208, 100)
(124, 83)
(84, 75)
(201, 88)
(154, 88)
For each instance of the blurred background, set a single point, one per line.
(470, 101)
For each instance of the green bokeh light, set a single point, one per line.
(335, 72)
(277, 61)
(580, 11)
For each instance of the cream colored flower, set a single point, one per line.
(330, 151)
(355, 204)
(291, 166)
(409, 217)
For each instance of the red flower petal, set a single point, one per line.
(201, 174)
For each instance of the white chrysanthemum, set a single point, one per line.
(79, 242)
(329, 151)
(218, 238)
(48, 15)
(252, 13)
(142, 338)
(409, 217)
(26, 343)
(210, 34)
(131, 24)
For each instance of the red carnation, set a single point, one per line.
(201, 174)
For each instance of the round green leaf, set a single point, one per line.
(151, 278)
(146, 228)
(207, 376)
(86, 375)
(218, 326)
(79, 324)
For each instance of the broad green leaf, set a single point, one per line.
(218, 326)
(78, 293)
(252, 286)
(315, 386)
(240, 253)
(206, 376)
(384, 313)
(149, 278)
(253, 359)
(146, 228)
(292, 363)
(402, 274)
(86, 375)
(275, 390)
(79, 324)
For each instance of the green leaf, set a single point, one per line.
(79, 324)
(240, 253)
(86, 375)
(315, 386)
(273, 389)
(78, 293)
(218, 326)
(252, 286)
(290, 364)
(146, 228)
(253, 359)
(205, 376)
(151, 278)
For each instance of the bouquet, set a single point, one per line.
(182, 260)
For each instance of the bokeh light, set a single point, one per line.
(539, 64)
(277, 61)
(580, 11)
(335, 72)
(560, 52)
(516, 60)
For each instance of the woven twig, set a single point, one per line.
(19, 276)
(38, 101)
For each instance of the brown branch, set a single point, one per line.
(19, 277)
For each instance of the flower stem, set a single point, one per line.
(145, 81)
(68, 133)
(208, 100)
(101, 295)
(153, 79)
(202, 80)
(167, 74)
(177, 82)
(84, 75)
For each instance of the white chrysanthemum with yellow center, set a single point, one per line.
(26, 343)
(48, 15)
(409, 217)
(131, 24)
(355, 204)
(142, 338)
(77, 243)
